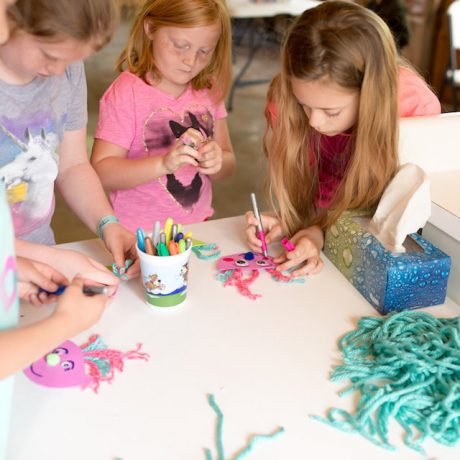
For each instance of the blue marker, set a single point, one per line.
(87, 290)
(140, 239)
(58, 291)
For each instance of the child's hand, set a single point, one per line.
(76, 311)
(210, 158)
(179, 156)
(272, 229)
(33, 275)
(122, 244)
(72, 262)
(308, 244)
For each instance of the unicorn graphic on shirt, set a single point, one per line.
(29, 178)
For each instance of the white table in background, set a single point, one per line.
(266, 361)
(251, 11)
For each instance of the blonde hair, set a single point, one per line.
(82, 20)
(138, 55)
(352, 47)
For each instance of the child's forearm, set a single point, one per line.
(82, 190)
(134, 172)
(22, 346)
(228, 166)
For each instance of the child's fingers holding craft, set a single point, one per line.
(210, 158)
(271, 226)
(306, 255)
(89, 311)
(180, 155)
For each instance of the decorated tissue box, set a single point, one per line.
(389, 281)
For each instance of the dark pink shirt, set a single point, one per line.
(415, 98)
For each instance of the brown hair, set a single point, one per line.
(352, 47)
(138, 55)
(82, 20)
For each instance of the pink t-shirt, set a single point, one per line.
(139, 118)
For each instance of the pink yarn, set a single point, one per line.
(242, 284)
(112, 359)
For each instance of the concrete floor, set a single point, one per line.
(246, 126)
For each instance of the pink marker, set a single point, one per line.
(260, 229)
(288, 244)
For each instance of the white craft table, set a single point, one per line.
(251, 11)
(266, 361)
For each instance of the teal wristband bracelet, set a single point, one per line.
(104, 221)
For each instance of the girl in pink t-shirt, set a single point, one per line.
(162, 134)
(332, 137)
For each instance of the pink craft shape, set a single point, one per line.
(245, 261)
(69, 370)
(70, 365)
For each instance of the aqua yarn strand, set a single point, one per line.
(254, 439)
(404, 367)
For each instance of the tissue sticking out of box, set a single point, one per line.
(405, 207)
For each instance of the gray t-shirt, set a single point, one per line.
(33, 119)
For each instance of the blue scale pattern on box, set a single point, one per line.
(390, 282)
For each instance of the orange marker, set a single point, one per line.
(149, 248)
(173, 248)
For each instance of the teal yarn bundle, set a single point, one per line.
(405, 367)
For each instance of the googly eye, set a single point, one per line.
(241, 263)
(262, 263)
(60, 351)
(67, 365)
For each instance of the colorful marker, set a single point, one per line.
(140, 239)
(168, 230)
(260, 229)
(149, 248)
(162, 250)
(156, 233)
(173, 248)
(87, 290)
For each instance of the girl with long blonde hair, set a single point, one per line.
(332, 116)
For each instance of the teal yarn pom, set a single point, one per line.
(404, 367)
(224, 276)
(219, 443)
(212, 251)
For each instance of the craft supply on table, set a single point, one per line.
(87, 290)
(405, 368)
(242, 269)
(255, 439)
(164, 267)
(120, 272)
(88, 365)
(205, 251)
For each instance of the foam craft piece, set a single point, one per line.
(245, 261)
(389, 281)
(67, 371)
(88, 365)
